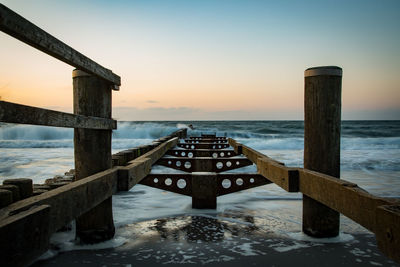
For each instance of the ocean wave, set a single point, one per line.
(32, 132)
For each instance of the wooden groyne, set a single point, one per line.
(27, 224)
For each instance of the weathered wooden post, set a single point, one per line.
(92, 149)
(322, 119)
(204, 190)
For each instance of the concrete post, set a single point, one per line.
(92, 149)
(322, 119)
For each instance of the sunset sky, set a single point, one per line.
(206, 60)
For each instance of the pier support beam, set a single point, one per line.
(92, 149)
(204, 190)
(322, 119)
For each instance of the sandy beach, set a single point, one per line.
(200, 240)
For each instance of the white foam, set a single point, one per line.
(245, 249)
(341, 238)
(287, 247)
(112, 243)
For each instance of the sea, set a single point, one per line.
(370, 157)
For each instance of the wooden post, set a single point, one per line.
(322, 116)
(92, 149)
(204, 190)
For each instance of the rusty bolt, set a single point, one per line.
(389, 234)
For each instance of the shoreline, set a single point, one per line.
(201, 240)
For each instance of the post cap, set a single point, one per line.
(323, 70)
(79, 73)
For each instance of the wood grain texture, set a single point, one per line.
(16, 113)
(69, 201)
(343, 196)
(286, 178)
(388, 232)
(92, 151)
(27, 32)
(322, 117)
(25, 236)
(140, 167)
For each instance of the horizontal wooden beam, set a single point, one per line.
(16, 113)
(203, 146)
(204, 164)
(215, 153)
(156, 153)
(343, 196)
(239, 182)
(286, 178)
(159, 181)
(249, 152)
(69, 201)
(27, 32)
(379, 215)
(388, 232)
(139, 168)
(26, 225)
(122, 158)
(25, 236)
(206, 140)
(132, 174)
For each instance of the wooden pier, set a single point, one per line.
(27, 222)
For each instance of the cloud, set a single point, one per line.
(152, 101)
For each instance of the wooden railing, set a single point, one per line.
(27, 32)
(26, 225)
(16, 113)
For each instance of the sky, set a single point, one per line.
(211, 60)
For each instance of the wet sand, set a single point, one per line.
(202, 240)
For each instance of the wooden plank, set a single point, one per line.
(69, 201)
(248, 180)
(215, 153)
(156, 153)
(204, 164)
(16, 113)
(27, 32)
(203, 146)
(287, 178)
(205, 140)
(250, 153)
(388, 232)
(132, 174)
(342, 196)
(25, 236)
(158, 181)
(140, 167)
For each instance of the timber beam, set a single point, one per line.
(224, 183)
(213, 137)
(27, 32)
(137, 169)
(16, 113)
(206, 140)
(190, 153)
(204, 164)
(203, 146)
